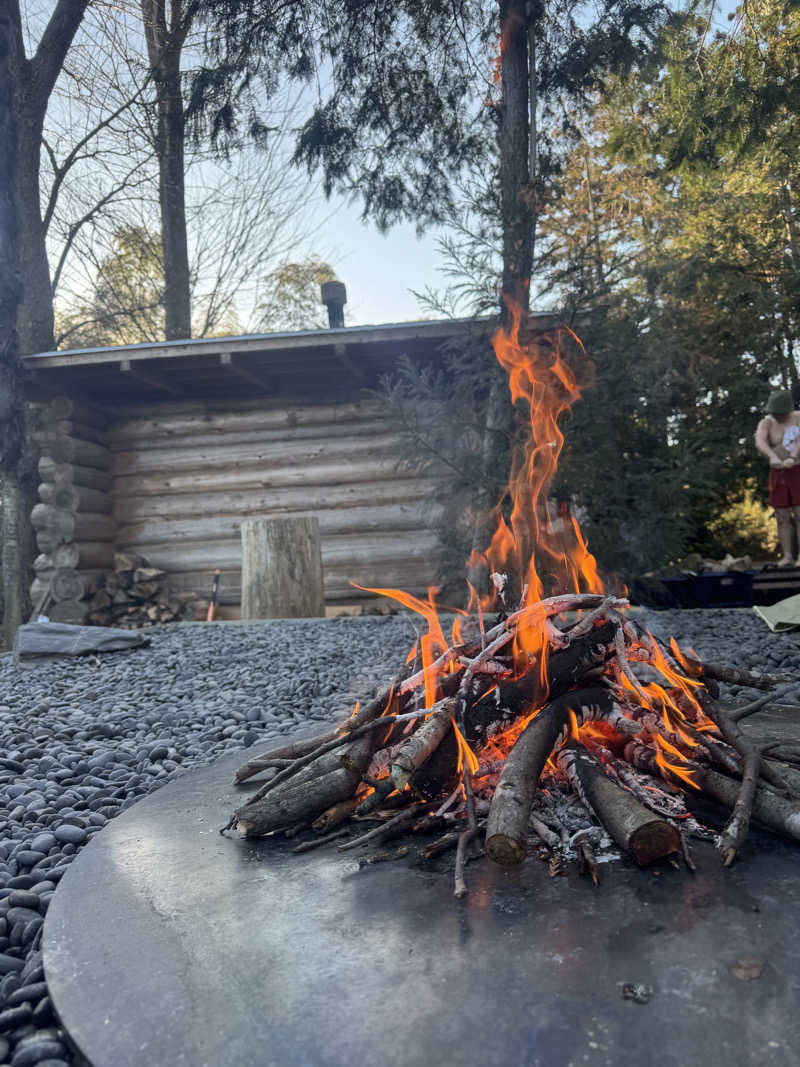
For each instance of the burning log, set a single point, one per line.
(628, 823)
(422, 743)
(507, 826)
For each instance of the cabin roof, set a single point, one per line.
(299, 362)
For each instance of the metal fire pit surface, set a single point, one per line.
(166, 943)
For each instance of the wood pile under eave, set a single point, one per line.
(133, 595)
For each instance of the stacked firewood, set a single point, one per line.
(483, 746)
(134, 594)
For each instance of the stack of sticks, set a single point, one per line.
(134, 594)
(475, 746)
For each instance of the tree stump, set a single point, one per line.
(282, 569)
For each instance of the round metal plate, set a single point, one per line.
(166, 943)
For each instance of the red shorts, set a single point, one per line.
(784, 487)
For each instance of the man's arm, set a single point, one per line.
(795, 452)
(763, 445)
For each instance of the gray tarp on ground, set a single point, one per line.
(37, 642)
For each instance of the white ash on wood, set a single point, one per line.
(485, 737)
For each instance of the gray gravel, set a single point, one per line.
(82, 740)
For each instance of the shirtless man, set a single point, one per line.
(778, 438)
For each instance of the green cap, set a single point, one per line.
(780, 403)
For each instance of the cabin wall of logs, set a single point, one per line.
(73, 519)
(186, 477)
(171, 485)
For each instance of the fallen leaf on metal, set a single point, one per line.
(747, 969)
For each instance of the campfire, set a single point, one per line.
(548, 718)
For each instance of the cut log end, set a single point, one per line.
(653, 841)
(505, 850)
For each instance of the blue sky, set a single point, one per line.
(378, 270)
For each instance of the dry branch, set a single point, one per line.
(736, 676)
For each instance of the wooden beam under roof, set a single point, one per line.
(227, 359)
(149, 377)
(340, 351)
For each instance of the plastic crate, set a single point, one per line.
(682, 590)
(729, 589)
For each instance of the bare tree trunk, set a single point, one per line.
(515, 111)
(12, 407)
(33, 80)
(35, 318)
(513, 137)
(164, 46)
(169, 146)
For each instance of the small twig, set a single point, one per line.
(309, 846)
(719, 754)
(441, 844)
(736, 676)
(736, 714)
(460, 890)
(584, 625)
(379, 831)
(587, 864)
(290, 752)
(687, 855)
(383, 857)
(550, 839)
(735, 832)
(622, 659)
(337, 742)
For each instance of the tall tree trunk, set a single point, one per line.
(35, 319)
(169, 147)
(12, 406)
(165, 39)
(517, 80)
(513, 137)
(32, 83)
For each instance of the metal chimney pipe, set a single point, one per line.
(334, 296)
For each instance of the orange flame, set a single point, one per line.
(431, 643)
(679, 769)
(466, 757)
(541, 381)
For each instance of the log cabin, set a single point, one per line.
(162, 449)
